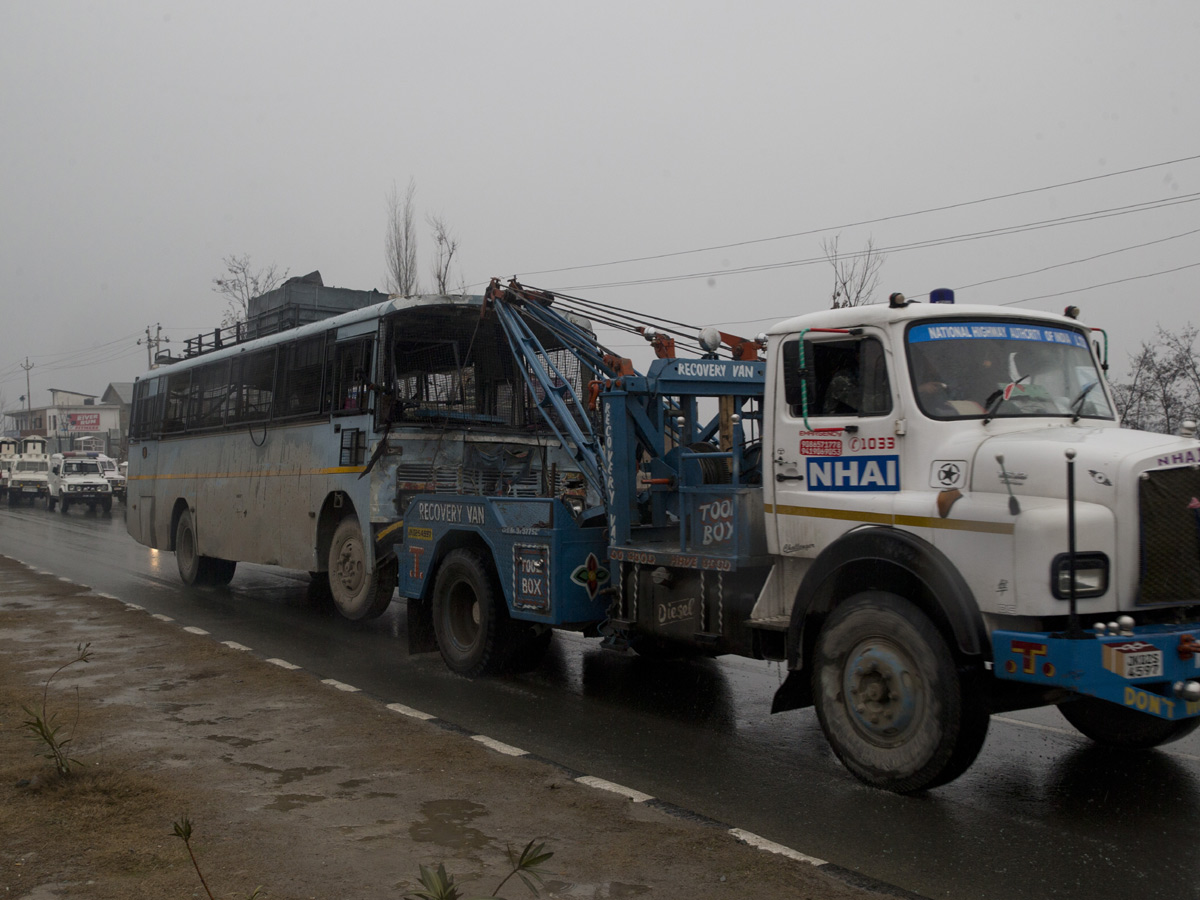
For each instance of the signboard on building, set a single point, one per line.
(83, 422)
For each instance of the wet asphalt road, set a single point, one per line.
(1043, 813)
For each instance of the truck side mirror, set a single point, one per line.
(54, 470)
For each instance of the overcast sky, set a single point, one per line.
(143, 142)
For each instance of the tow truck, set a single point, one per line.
(926, 513)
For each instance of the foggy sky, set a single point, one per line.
(145, 141)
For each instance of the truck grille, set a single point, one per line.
(1170, 536)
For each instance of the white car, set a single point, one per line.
(116, 477)
(77, 478)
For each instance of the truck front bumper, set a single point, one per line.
(1154, 669)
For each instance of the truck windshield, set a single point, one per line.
(1004, 369)
(33, 465)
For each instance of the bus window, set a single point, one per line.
(352, 366)
(299, 392)
(253, 387)
(147, 408)
(179, 385)
(209, 396)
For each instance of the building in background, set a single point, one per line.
(75, 421)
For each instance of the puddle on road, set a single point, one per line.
(447, 825)
(287, 802)
(233, 741)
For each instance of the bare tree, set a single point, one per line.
(446, 245)
(855, 275)
(1164, 384)
(240, 282)
(401, 243)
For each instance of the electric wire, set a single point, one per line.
(1003, 231)
(874, 221)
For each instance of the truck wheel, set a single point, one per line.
(890, 698)
(469, 617)
(106, 504)
(1117, 726)
(50, 503)
(357, 594)
(63, 505)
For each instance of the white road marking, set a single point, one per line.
(282, 663)
(601, 784)
(771, 847)
(506, 749)
(410, 712)
(340, 685)
(234, 645)
(162, 618)
(192, 629)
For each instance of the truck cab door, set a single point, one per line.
(836, 450)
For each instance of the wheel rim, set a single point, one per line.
(463, 616)
(349, 566)
(882, 691)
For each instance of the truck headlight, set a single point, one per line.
(1091, 575)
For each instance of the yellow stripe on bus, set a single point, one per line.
(336, 470)
(855, 515)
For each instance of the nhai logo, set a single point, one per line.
(854, 473)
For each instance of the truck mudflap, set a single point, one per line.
(1150, 669)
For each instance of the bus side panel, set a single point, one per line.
(142, 486)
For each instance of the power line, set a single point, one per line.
(891, 218)
(1075, 219)
(1105, 284)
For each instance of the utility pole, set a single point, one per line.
(27, 365)
(153, 342)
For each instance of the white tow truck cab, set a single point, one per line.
(27, 478)
(8, 456)
(963, 468)
(76, 478)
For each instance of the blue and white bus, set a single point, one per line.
(303, 448)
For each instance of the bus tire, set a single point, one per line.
(1118, 726)
(357, 593)
(889, 696)
(187, 558)
(469, 616)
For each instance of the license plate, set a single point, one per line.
(28, 490)
(1135, 659)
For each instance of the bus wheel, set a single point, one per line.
(187, 559)
(469, 617)
(889, 696)
(1118, 726)
(357, 594)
